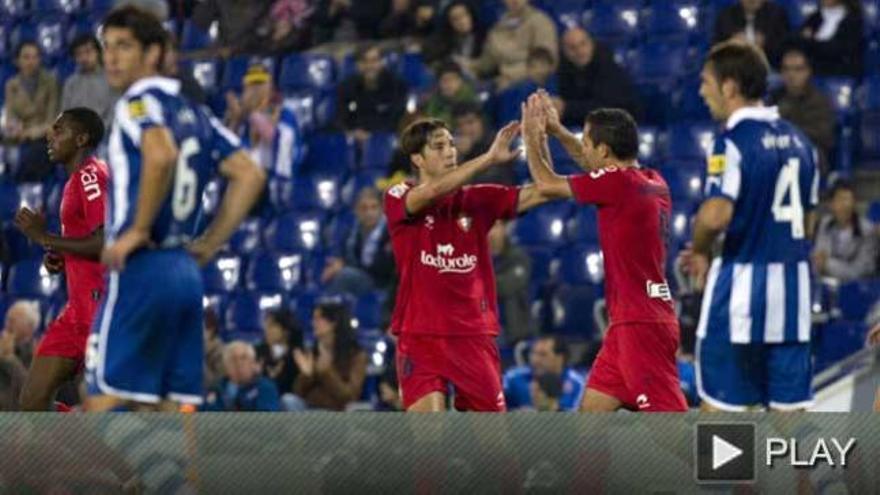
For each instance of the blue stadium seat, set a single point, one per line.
(20, 248)
(211, 197)
(507, 102)
(657, 62)
(490, 11)
(361, 180)
(378, 150)
(317, 191)
(302, 304)
(13, 8)
(567, 13)
(6, 48)
(685, 180)
(870, 136)
(65, 6)
(841, 91)
(275, 272)
(872, 57)
(855, 298)
(222, 274)
(9, 201)
(581, 264)
(799, 10)
(613, 23)
(871, 13)
(30, 194)
(583, 226)
(690, 141)
(574, 309)
(338, 231)
(307, 71)
(677, 20)
(246, 238)
(543, 226)
(368, 310)
(869, 94)
(325, 109)
(244, 315)
(687, 104)
(657, 105)
(542, 264)
(63, 68)
(413, 70)
(205, 71)
(649, 146)
(330, 153)
(873, 213)
(235, 69)
(24, 30)
(28, 278)
(295, 231)
(194, 38)
(837, 340)
(98, 6)
(679, 230)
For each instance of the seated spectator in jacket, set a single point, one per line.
(366, 261)
(546, 391)
(548, 355)
(833, 36)
(371, 100)
(541, 69)
(472, 139)
(189, 86)
(243, 388)
(30, 107)
(459, 37)
(589, 78)
(281, 335)
(88, 87)
(513, 269)
(254, 117)
(348, 20)
(20, 327)
(846, 243)
(408, 18)
(760, 22)
(213, 350)
(507, 45)
(801, 103)
(452, 90)
(242, 27)
(332, 375)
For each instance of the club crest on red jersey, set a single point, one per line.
(465, 223)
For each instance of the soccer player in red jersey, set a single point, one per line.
(445, 314)
(72, 139)
(635, 368)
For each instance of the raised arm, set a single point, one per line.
(569, 141)
(547, 182)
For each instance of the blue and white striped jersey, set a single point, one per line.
(202, 142)
(758, 290)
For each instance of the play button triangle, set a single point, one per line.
(723, 452)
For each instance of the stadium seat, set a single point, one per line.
(65, 6)
(657, 62)
(194, 38)
(690, 141)
(656, 102)
(246, 238)
(361, 180)
(235, 69)
(855, 298)
(30, 195)
(870, 136)
(685, 181)
(841, 91)
(205, 71)
(98, 6)
(613, 22)
(873, 213)
(222, 274)
(368, 310)
(244, 315)
(687, 104)
(63, 68)
(799, 10)
(417, 75)
(543, 226)
(835, 341)
(28, 278)
(378, 150)
(302, 304)
(13, 8)
(338, 231)
(679, 230)
(871, 14)
(583, 226)
(542, 261)
(295, 231)
(869, 94)
(581, 264)
(672, 20)
(307, 71)
(9, 201)
(317, 191)
(649, 149)
(330, 153)
(275, 272)
(325, 109)
(6, 48)
(567, 13)
(574, 309)
(507, 102)
(871, 61)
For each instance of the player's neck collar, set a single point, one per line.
(165, 84)
(765, 114)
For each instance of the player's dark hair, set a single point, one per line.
(289, 325)
(540, 53)
(560, 346)
(82, 40)
(414, 138)
(467, 108)
(361, 52)
(841, 185)
(616, 129)
(24, 44)
(144, 26)
(743, 63)
(345, 343)
(88, 121)
(798, 47)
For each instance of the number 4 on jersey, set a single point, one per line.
(787, 184)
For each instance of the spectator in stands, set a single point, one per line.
(452, 90)
(761, 22)
(548, 355)
(331, 376)
(801, 102)
(243, 27)
(22, 320)
(846, 243)
(540, 67)
(189, 86)
(158, 8)
(834, 38)
(281, 335)
(30, 107)
(243, 388)
(88, 87)
(348, 20)
(408, 18)
(472, 139)
(213, 349)
(366, 261)
(373, 99)
(521, 28)
(513, 269)
(589, 78)
(459, 36)
(291, 26)
(255, 116)
(546, 390)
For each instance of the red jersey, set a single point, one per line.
(447, 285)
(82, 212)
(634, 212)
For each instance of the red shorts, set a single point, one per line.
(472, 365)
(65, 337)
(637, 366)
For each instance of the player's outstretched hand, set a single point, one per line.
(31, 223)
(501, 152)
(696, 265)
(554, 121)
(874, 335)
(53, 262)
(534, 119)
(117, 253)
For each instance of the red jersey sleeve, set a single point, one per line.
(598, 187)
(492, 201)
(395, 205)
(92, 192)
